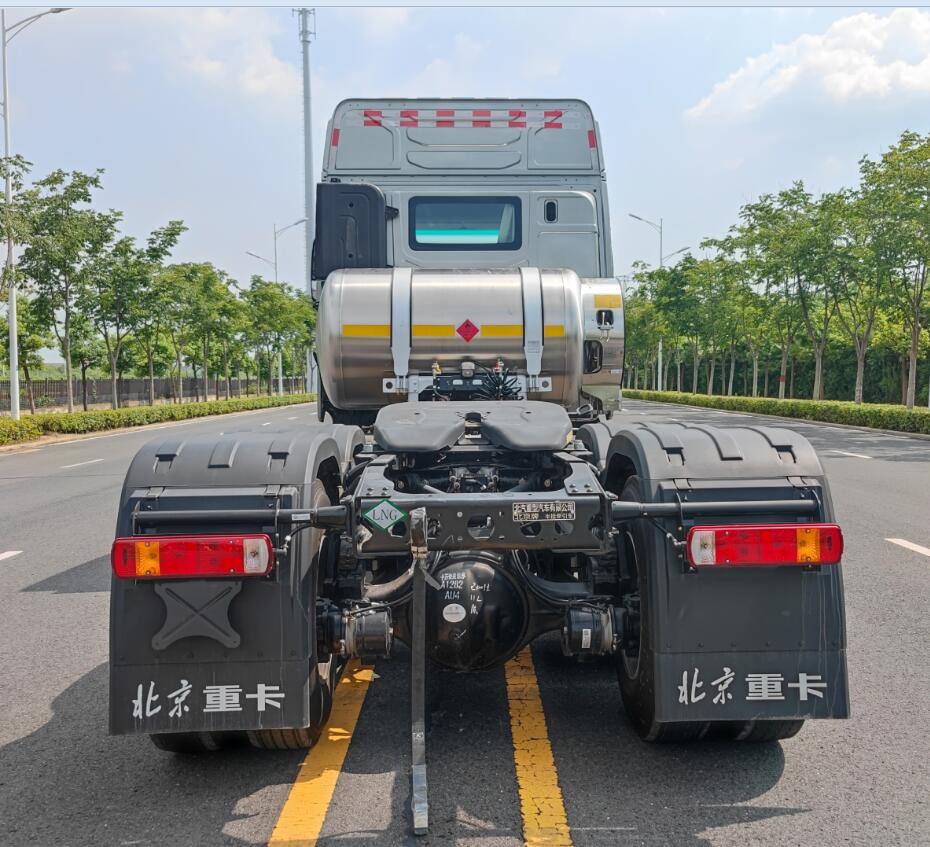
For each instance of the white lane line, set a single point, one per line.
(267, 423)
(9, 554)
(79, 464)
(292, 418)
(909, 545)
(847, 453)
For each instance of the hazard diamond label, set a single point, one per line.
(467, 330)
(384, 515)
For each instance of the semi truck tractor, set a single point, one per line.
(471, 482)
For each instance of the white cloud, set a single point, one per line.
(382, 23)
(861, 56)
(541, 67)
(233, 48)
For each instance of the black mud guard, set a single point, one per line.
(221, 654)
(777, 633)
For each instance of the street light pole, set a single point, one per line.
(659, 227)
(306, 34)
(7, 34)
(274, 264)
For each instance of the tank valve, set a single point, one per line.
(588, 630)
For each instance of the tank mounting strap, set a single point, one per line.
(401, 279)
(531, 283)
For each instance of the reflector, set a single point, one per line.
(178, 556)
(765, 544)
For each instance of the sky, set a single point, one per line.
(195, 113)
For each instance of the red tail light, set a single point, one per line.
(174, 556)
(765, 544)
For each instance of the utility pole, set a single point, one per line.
(307, 32)
(659, 227)
(7, 34)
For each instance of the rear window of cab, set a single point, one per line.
(465, 223)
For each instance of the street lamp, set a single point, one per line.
(274, 264)
(662, 257)
(7, 34)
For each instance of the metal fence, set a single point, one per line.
(53, 393)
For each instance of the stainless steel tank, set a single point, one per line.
(455, 316)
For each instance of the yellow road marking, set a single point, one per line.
(607, 301)
(366, 330)
(554, 331)
(432, 330)
(304, 811)
(545, 823)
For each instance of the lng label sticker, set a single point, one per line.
(384, 515)
(454, 612)
(544, 510)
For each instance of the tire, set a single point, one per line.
(636, 661)
(189, 743)
(757, 732)
(321, 695)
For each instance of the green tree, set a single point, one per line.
(65, 237)
(898, 186)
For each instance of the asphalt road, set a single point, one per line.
(64, 781)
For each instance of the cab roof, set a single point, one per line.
(435, 136)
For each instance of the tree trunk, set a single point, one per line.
(755, 374)
(66, 350)
(791, 386)
(695, 366)
(732, 370)
(226, 372)
(150, 354)
(783, 372)
(912, 364)
(84, 385)
(114, 400)
(765, 385)
(711, 368)
(817, 393)
(29, 392)
(860, 371)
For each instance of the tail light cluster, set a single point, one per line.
(177, 556)
(765, 544)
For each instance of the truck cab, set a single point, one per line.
(491, 207)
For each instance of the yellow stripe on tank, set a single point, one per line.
(432, 330)
(502, 330)
(366, 330)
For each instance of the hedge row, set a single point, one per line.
(875, 415)
(33, 426)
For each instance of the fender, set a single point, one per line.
(752, 620)
(251, 632)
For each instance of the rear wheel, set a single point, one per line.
(188, 742)
(635, 662)
(324, 680)
(757, 731)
